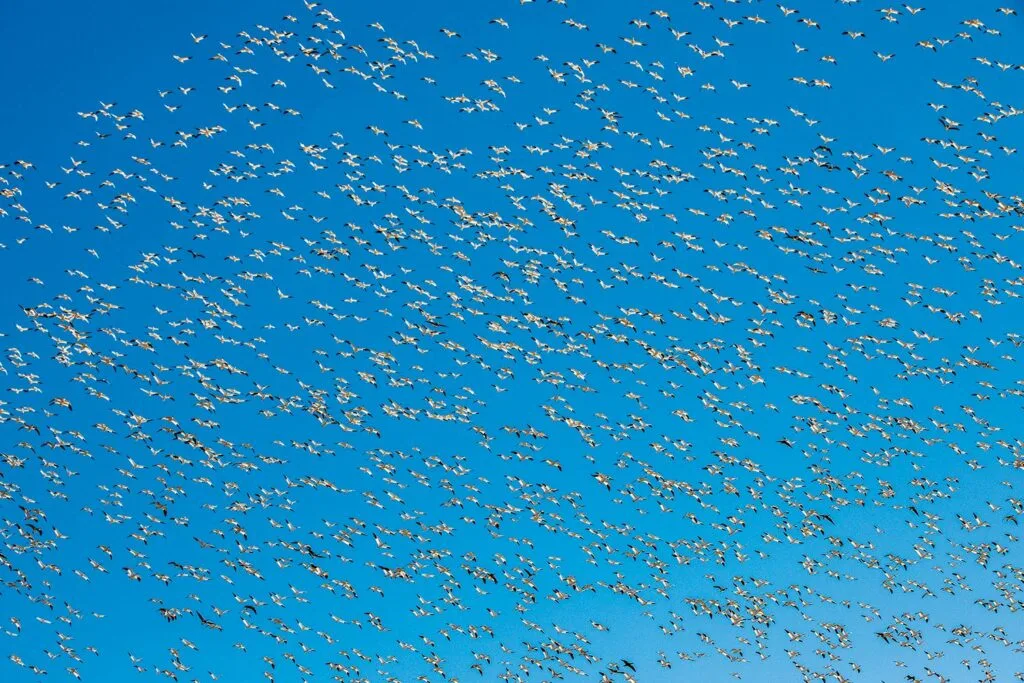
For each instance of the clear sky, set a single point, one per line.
(510, 341)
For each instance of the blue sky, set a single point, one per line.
(359, 366)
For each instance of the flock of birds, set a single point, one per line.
(590, 340)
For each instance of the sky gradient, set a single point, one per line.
(511, 341)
